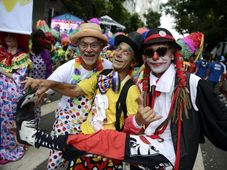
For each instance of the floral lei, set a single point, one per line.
(76, 78)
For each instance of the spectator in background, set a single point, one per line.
(222, 62)
(192, 65)
(40, 56)
(201, 67)
(14, 68)
(41, 60)
(215, 73)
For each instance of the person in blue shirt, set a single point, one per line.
(215, 71)
(201, 68)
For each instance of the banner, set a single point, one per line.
(16, 16)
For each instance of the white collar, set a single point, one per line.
(165, 82)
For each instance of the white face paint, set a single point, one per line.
(159, 64)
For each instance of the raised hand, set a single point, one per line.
(145, 115)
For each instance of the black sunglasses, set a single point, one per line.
(161, 51)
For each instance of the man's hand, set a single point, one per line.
(145, 114)
(40, 84)
(32, 83)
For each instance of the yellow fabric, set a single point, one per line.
(89, 88)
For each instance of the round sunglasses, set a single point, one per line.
(161, 51)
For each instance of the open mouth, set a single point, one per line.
(118, 61)
(91, 56)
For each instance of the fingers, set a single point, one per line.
(41, 90)
(39, 99)
(146, 116)
(152, 117)
(140, 101)
(30, 82)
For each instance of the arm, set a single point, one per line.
(213, 114)
(144, 116)
(10, 75)
(62, 88)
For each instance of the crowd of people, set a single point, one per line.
(142, 101)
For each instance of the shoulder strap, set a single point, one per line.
(121, 104)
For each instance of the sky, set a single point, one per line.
(167, 22)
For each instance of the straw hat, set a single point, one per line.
(89, 30)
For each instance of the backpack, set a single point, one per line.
(121, 102)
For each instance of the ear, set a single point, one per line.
(172, 57)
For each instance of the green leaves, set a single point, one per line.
(207, 16)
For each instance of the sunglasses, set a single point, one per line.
(160, 51)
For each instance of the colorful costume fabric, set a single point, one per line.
(207, 117)
(42, 65)
(41, 69)
(104, 107)
(10, 91)
(205, 105)
(112, 144)
(71, 113)
(110, 98)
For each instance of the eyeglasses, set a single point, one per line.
(93, 46)
(160, 51)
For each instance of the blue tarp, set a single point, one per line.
(68, 17)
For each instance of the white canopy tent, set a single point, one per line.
(106, 20)
(220, 49)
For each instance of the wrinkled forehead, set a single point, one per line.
(89, 40)
(125, 46)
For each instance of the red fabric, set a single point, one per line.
(192, 67)
(182, 81)
(129, 126)
(107, 143)
(154, 95)
(22, 39)
(163, 128)
(7, 56)
(158, 36)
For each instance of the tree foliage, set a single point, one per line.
(152, 19)
(87, 9)
(207, 16)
